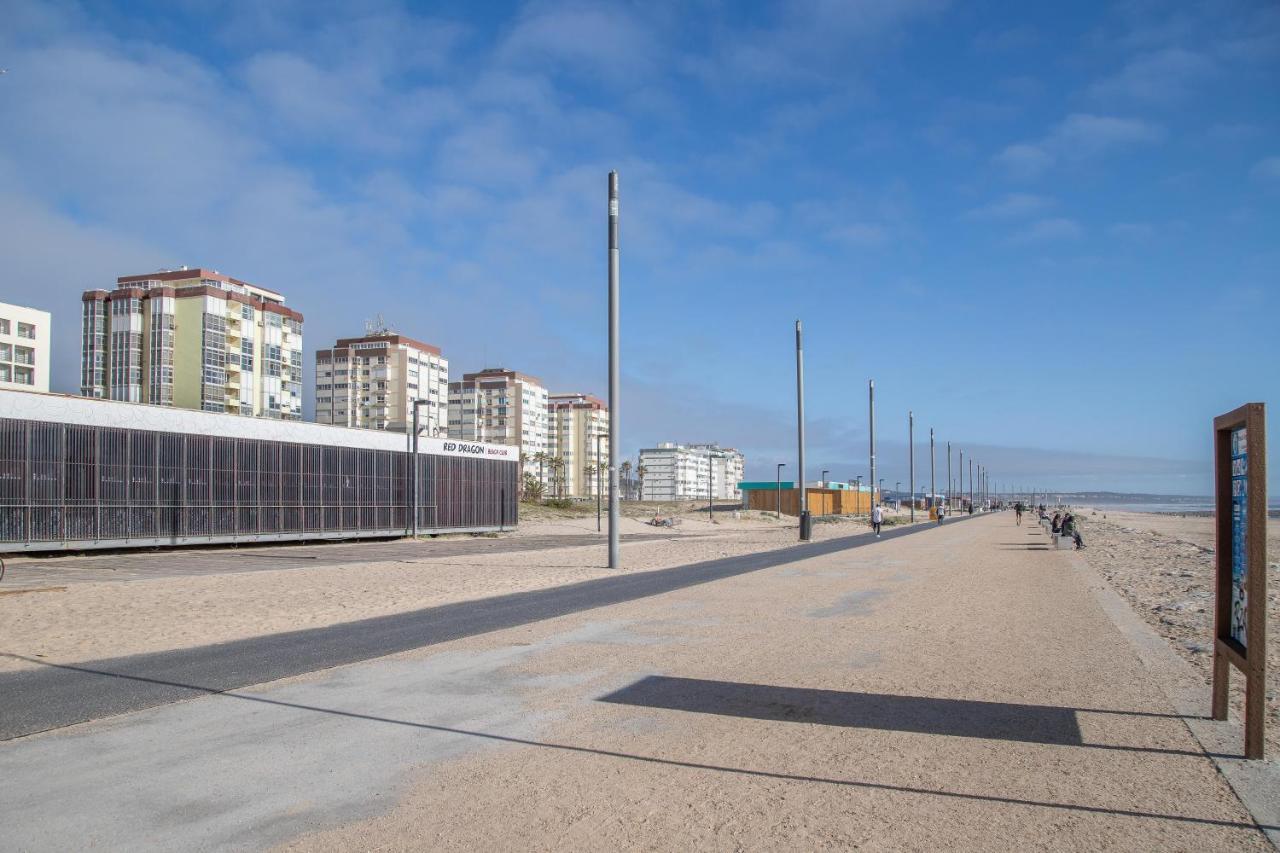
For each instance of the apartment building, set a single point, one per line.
(727, 467)
(193, 339)
(373, 382)
(575, 422)
(675, 472)
(24, 348)
(501, 406)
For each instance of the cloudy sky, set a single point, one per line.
(1049, 229)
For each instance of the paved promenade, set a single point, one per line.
(961, 688)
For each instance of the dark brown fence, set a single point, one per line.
(71, 486)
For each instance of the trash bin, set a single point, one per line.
(806, 526)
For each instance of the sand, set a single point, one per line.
(1163, 566)
(819, 705)
(92, 621)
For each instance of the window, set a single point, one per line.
(6, 352)
(24, 355)
(24, 376)
(6, 373)
(4, 327)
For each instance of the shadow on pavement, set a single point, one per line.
(743, 771)
(1047, 724)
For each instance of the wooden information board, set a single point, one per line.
(1240, 606)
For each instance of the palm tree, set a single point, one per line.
(640, 475)
(589, 471)
(625, 468)
(540, 457)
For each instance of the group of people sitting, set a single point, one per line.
(1064, 524)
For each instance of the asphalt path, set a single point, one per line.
(33, 569)
(58, 695)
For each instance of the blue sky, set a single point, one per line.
(1049, 229)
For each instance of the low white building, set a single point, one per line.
(24, 348)
(677, 472)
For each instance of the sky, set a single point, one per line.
(1050, 230)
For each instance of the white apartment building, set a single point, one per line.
(728, 469)
(576, 421)
(24, 348)
(677, 472)
(195, 339)
(501, 406)
(373, 382)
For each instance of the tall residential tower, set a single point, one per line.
(373, 382)
(502, 407)
(579, 422)
(194, 339)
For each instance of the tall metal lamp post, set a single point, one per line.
(805, 523)
(417, 405)
(911, 444)
(599, 478)
(778, 489)
(615, 559)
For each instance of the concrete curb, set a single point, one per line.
(1255, 783)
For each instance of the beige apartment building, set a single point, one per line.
(24, 348)
(501, 406)
(374, 381)
(576, 421)
(193, 339)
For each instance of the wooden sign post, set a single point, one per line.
(1240, 608)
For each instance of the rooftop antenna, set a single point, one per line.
(376, 326)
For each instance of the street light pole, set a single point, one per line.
(711, 510)
(825, 472)
(599, 488)
(951, 484)
(911, 444)
(805, 532)
(778, 490)
(614, 376)
(417, 404)
(871, 429)
(933, 488)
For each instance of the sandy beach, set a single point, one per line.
(75, 622)
(1163, 566)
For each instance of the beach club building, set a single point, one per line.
(78, 473)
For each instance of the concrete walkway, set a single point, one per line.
(959, 689)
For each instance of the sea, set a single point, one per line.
(1174, 504)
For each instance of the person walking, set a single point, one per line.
(1017, 512)
(942, 513)
(877, 519)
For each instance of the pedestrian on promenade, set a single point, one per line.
(1057, 523)
(1017, 511)
(942, 513)
(877, 519)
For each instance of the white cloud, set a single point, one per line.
(1136, 231)
(1048, 230)
(859, 234)
(1266, 169)
(1084, 134)
(1011, 206)
(1023, 160)
(600, 40)
(1162, 76)
(1079, 136)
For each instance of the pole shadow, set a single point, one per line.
(692, 765)
(1041, 724)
